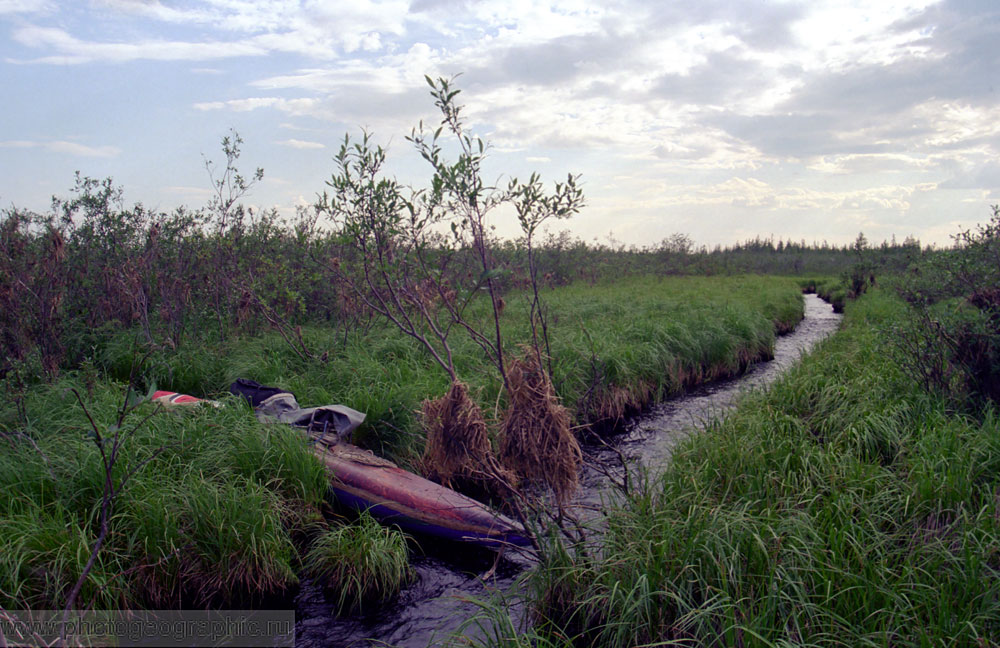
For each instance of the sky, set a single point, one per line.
(722, 120)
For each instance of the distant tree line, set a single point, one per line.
(92, 266)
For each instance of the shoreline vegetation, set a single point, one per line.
(845, 506)
(226, 508)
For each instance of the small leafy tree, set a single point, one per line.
(228, 220)
(862, 274)
(534, 207)
(421, 257)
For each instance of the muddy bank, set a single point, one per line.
(437, 601)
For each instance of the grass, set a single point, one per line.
(365, 563)
(616, 348)
(845, 507)
(205, 521)
(833, 291)
(222, 514)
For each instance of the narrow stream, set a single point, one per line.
(436, 604)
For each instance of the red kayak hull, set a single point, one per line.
(395, 496)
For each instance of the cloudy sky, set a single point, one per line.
(720, 119)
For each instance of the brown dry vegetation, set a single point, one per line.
(458, 442)
(536, 440)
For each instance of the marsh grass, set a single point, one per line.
(845, 507)
(216, 516)
(616, 348)
(205, 522)
(833, 291)
(363, 564)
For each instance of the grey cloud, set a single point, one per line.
(762, 28)
(963, 41)
(722, 78)
(792, 135)
(986, 176)
(367, 107)
(761, 25)
(873, 101)
(556, 61)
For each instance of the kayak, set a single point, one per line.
(364, 482)
(172, 399)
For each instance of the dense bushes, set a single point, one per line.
(73, 278)
(951, 341)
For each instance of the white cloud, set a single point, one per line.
(749, 192)
(155, 10)
(302, 106)
(62, 146)
(301, 144)
(869, 163)
(958, 122)
(72, 50)
(25, 6)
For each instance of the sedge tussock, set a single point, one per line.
(537, 442)
(458, 442)
(363, 563)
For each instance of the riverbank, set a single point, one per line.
(443, 595)
(845, 506)
(212, 508)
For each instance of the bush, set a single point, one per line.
(952, 340)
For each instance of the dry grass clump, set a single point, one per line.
(537, 442)
(458, 443)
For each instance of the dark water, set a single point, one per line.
(437, 602)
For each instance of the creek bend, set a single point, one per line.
(436, 602)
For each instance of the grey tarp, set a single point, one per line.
(283, 408)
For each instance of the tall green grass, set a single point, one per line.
(616, 348)
(220, 515)
(846, 507)
(363, 564)
(205, 521)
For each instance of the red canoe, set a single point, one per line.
(392, 495)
